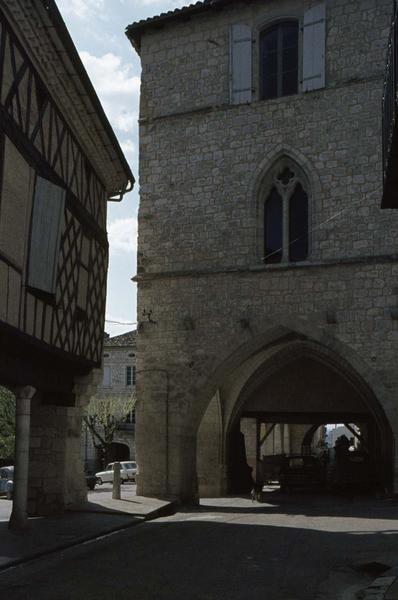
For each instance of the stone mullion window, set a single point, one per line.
(286, 218)
(286, 222)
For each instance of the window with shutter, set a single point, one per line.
(314, 39)
(106, 381)
(129, 376)
(240, 64)
(279, 60)
(46, 225)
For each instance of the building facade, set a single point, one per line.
(390, 119)
(59, 164)
(267, 272)
(118, 382)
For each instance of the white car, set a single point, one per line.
(128, 471)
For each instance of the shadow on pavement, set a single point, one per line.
(305, 503)
(203, 558)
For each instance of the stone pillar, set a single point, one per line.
(249, 429)
(183, 481)
(278, 439)
(210, 451)
(152, 433)
(286, 446)
(297, 433)
(19, 515)
(56, 461)
(282, 434)
(75, 488)
(116, 481)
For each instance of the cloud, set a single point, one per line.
(163, 4)
(81, 9)
(128, 146)
(126, 121)
(122, 236)
(111, 76)
(117, 88)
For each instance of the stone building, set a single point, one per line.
(59, 164)
(118, 381)
(390, 119)
(267, 272)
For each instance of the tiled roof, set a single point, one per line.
(125, 339)
(135, 30)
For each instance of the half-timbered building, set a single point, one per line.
(60, 163)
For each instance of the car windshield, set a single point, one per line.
(7, 473)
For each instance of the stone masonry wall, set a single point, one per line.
(202, 162)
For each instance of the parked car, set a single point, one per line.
(300, 472)
(128, 471)
(6, 481)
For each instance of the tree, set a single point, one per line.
(104, 415)
(7, 425)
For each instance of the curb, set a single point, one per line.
(67, 545)
(379, 589)
(163, 511)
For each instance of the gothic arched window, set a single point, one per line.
(286, 218)
(279, 58)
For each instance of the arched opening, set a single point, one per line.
(119, 451)
(284, 208)
(7, 451)
(280, 416)
(275, 396)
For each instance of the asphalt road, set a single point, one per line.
(294, 547)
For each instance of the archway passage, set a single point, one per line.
(118, 452)
(7, 451)
(283, 404)
(277, 402)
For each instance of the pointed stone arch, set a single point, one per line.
(273, 156)
(272, 350)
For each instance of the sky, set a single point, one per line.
(97, 29)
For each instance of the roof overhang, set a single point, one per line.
(135, 31)
(46, 39)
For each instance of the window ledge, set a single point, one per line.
(47, 297)
(283, 265)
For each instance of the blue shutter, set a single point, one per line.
(314, 40)
(47, 218)
(241, 64)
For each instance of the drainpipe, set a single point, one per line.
(19, 515)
